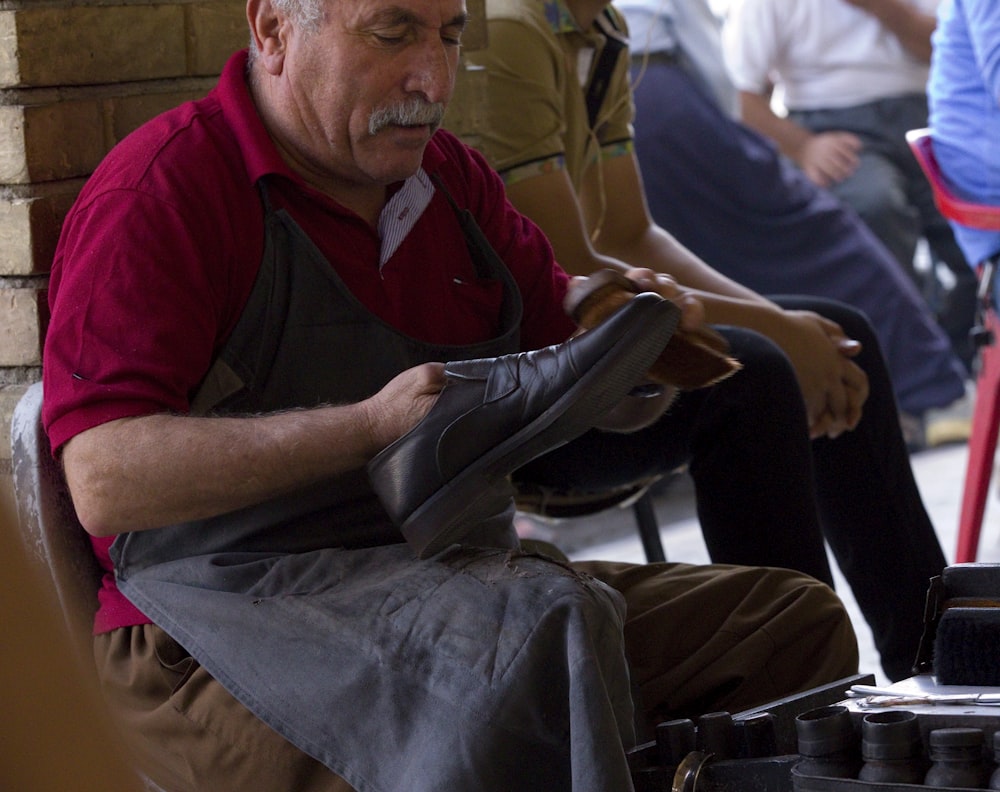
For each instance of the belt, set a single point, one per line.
(667, 57)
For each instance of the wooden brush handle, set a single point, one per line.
(691, 359)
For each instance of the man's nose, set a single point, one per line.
(433, 71)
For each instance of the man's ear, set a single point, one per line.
(268, 31)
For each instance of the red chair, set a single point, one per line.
(986, 417)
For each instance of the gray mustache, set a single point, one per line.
(411, 112)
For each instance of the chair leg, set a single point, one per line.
(982, 448)
(649, 528)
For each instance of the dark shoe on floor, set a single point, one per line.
(497, 414)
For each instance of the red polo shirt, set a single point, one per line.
(160, 251)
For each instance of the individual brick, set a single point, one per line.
(49, 142)
(29, 227)
(86, 45)
(25, 314)
(15, 237)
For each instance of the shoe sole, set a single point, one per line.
(437, 524)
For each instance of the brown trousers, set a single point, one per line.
(699, 639)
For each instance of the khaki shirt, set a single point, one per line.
(522, 100)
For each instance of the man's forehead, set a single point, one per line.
(433, 13)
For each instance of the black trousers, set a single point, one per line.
(768, 496)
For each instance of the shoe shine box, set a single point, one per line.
(930, 717)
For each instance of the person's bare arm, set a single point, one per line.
(551, 202)
(139, 473)
(833, 387)
(825, 157)
(910, 25)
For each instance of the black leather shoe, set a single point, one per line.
(496, 414)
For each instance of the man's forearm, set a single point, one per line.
(138, 473)
(723, 297)
(146, 472)
(911, 26)
(788, 136)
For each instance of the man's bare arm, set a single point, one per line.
(145, 472)
(833, 387)
(826, 157)
(910, 25)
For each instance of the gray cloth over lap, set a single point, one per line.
(419, 675)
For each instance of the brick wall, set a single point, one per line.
(76, 77)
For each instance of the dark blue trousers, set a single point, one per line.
(726, 194)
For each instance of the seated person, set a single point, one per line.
(726, 193)
(259, 297)
(964, 94)
(852, 75)
(771, 482)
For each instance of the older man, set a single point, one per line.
(250, 302)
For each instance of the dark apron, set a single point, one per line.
(396, 673)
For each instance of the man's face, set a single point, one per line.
(369, 86)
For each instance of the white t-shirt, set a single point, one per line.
(821, 53)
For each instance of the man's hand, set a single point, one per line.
(635, 412)
(403, 402)
(833, 386)
(829, 157)
(692, 310)
(825, 157)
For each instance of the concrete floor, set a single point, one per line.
(611, 535)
